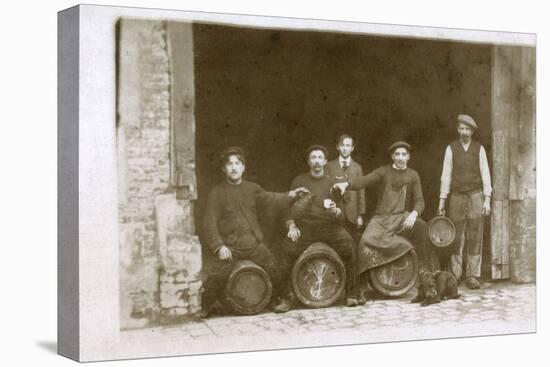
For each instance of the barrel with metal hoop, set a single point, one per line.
(441, 231)
(396, 277)
(318, 276)
(248, 289)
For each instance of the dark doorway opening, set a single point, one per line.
(275, 92)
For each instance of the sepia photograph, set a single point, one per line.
(232, 141)
(285, 183)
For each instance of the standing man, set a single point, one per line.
(396, 220)
(321, 221)
(344, 168)
(231, 230)
(466, 178)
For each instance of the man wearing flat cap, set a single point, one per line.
(396, 219)
(231, 230)
(466, 181)
(320, 221)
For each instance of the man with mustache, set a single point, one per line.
(466, 180)
(345, 168)
(396, 220)
(320, 222)
(231, 230)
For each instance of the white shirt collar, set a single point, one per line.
(342, 160)
(397, 168)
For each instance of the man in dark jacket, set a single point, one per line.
(231, 230)
(320, 222)
(345, 168)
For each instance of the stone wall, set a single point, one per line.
(159, 266)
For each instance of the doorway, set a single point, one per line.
(275, 92)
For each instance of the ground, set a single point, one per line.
(496, 308)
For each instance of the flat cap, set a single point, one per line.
(232, 151)
(465, 119)
(399, 144)
(317, 147)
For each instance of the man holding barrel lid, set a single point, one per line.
(231, 230)
(467, 182)
(321, 221)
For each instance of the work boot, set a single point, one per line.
(361, 297)
(285, 304)
(351, 302)
(215, 308)
(471, 283)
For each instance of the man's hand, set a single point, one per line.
(334, 210)
(441, 208)
(486, 210)
(408, 223)
(293, 232)
(360, 222)
(300, 190)
(224, 253)
(342, 186)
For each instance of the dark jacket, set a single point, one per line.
(388, 180)
(354, 201)
(231, 217)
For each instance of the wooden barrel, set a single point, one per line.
(248, 289)
(441, 231)
(397, 277)
(318, 276)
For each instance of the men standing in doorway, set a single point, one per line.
(466, 180)
(344, 168)
(321, 221)
(231, 230)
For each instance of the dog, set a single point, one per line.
(435, 287)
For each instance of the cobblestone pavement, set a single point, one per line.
(495, 304)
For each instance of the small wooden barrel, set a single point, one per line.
(318, 276)
(397, 277)
(248, 289)
(441, 231)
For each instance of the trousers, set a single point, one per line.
(465, 210)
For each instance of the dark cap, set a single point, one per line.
(317, 147)
(400, 144)
(232, 151)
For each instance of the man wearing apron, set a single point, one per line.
(396, 221)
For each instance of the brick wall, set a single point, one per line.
(158, 251)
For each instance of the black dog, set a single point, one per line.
(436, 286)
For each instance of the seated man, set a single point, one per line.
(231, 230)
(319, 222)
(400, 203)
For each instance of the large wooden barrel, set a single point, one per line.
(397, 277)
(318, 276)
(248, 289)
